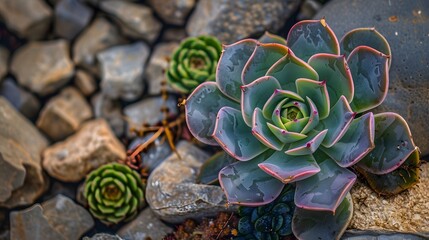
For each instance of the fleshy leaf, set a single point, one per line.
(356, 143)
(288, 168)
(307, 145)
(202, 107)
(365, 37)
(289, 68)
(263, 57)
(313, 120)
(284, 135)
(393, 144)
(278, 96)
(334, 70)
(231, 65)
(370, 73)
(337, 123)
(261, 131)
(318, 93)
(235, 137)
(209, 171)
(246, 184)
(256, 95)
(325, 190)
(272, 38)
(309, 37)
(323, 225)
(404, 177)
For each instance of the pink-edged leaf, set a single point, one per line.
(313, 120)
(231, 64)
(307, 145)
(271, 38)
(334, 70)
(393, 144)
(263, 57)
(261, 131)
(317, 91)
(256, 95)
(284, 135)
(278, 96)
(356, 143)
(325, 190)
(288, 168)
(309, 37)
(244, 183)
(235, 137)
(276, 115)
(201, 109)
(289, 68)
(370, 72)
(296, 125)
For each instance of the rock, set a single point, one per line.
(308, 9)
(30, 19)
(85, 82)
(380, 235)
(92, 146)
(405, 212)
(21, 100)
(157, 152)
(158, 64)
(145, 226)
(98, 36)
(110, 110)
(58, 218)
(174, 35)
(403, 24)
(71, 17)
(122, 70)
(173, 11)
(172, 193)
(21, 174)
(43, 67)
(233, 20)
(63, 114)
(102, 236)
(4, 62)
(135, 20)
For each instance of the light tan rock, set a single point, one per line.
(92, 146)
(405, 212)
(63, 114)
(85, 82)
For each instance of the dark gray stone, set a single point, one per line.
(157, 152)
(233, 20)
(381, 235)
(122, 70)
(71, 17)
(173, 11)
(22, 100)
(406, 27)
(174, 196)
(103, 236)
(110, 110)
(145, 226)
(4, 62)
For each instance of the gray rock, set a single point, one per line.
(381, 235)
(102, 236)
(122, 70)
(135, 20)
(21, 174)
(63, 114)
(308, 9)
(22, 100)
(4, 62)
(30, 19)
(233, 20)
(157, 152)
(71, 17)
(158, 64)
(110, 110)
(174, 35)
(173, 11)
(174, 196)
(92, 146)
(98, 36)
(43, 67)
(145, 226)
(58, 218)
(409, 72)
(85, 82)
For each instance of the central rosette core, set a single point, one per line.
(291, 115)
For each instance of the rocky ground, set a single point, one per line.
(79, 78)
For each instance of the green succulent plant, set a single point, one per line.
(267, 222)
(193, 62)
(114, 193)
(296, 111)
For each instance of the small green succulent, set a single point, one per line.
(296, 111)
(114, 193)
(267, 222)
(193, 62)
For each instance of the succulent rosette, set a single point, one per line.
(114, 193)
(193, 62)
(295, 111)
